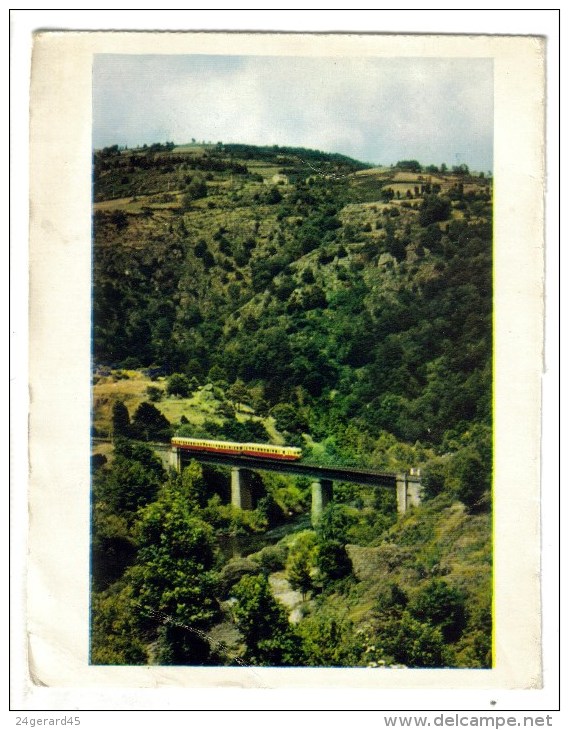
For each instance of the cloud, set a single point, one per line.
(375, 109)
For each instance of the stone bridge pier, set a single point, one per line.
(321, 496)
(176, 459)
(241, 495)
(408, 491)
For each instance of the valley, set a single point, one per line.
(292, 297)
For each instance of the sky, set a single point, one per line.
(377, 110)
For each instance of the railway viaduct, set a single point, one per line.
(407, 485)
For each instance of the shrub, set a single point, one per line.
(434, 209)
(433, 478)
(469, 475)
(178, 385)
(273, 557)
(154, 394)
(443, 606)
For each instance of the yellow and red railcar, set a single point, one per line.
(232, 448)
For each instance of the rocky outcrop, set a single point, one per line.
(371, 563)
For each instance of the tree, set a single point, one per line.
(470, 476)
(412, 642)
(174, 579)
(270, 638)
(299, 575)
(301, 561)
(270, 510)
(238, 394)
(396, 247)
(216, 374)
(196, 189)
(119, 219)
(132, 479)
(391, 600)
(411, 165)
(273, 196)
(178, 385)
(461, 170)
(148, 424)
(332, 559)
(313, 297)
(433, 478)
(329, 640)
(443, 606)
(113, 548)
(288, 418)
(433, 209)
(115, 638)
(120, 420)
(154, 394)
(194, 485)
(431, 237)
(129, 482)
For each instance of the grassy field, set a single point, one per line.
(131, 388)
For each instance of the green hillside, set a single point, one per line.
(288, 295)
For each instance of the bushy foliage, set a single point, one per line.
(154, 394)
(173, 579)
(114, 631)
(412, 643)
(130, 481)
(433, 477)
(443, 606)
(273, 557)
(331, 530)
(410, 165)
(288, 418)
(434, 209)
(330, 640)
(195, 190)
(301, 561)
(469, 475)
(178, 384)
(270, 638)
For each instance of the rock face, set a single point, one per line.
(371, 563)
(290, 598)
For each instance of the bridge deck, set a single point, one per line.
(331, 473)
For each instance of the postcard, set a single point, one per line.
(286, 345)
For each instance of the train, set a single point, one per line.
(231, 448)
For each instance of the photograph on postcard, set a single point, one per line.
(286, 315)
(292, 361)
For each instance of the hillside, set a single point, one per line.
(287, 295)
